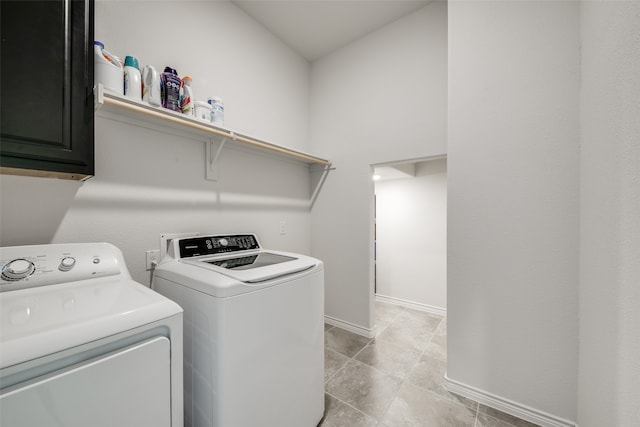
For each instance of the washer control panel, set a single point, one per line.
(214, 245)
(38, 265)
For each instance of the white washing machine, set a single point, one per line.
(253, 331)
(82, 344)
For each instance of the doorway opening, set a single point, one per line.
(409, 263)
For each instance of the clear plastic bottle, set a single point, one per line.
(186, 96)
(202, 111)
(217, 110)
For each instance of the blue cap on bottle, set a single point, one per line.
(131, 61)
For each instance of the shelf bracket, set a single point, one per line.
(318, 176)
(214, 148)
(98, 96)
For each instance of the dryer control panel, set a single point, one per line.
(38, 265)
(218, 244)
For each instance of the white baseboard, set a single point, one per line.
(414, 305)
(351, 327)
(371, 332)
(505, 405)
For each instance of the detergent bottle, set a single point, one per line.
(132, 78)
(108, 69)
(186, 96)
(170, 89)
(151, 86)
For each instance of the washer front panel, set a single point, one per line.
(252, 359)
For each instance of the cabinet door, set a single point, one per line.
(46, 88)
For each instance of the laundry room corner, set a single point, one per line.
(150, 179)
(380, 99)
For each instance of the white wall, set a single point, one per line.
(149, 182)
(411, 237)
(264, 84)
(379, 99)
(609, 371)
(513, 168)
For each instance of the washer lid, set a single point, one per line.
(39, 321)
(255, 267)
(249, 262)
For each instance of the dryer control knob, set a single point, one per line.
(67, 263)
(18, 269)
(223, 242)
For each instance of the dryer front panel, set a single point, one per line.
(128, 387)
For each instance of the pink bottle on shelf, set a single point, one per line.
(186, 96)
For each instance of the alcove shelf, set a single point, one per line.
(112, 105)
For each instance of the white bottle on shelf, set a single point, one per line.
(108, 69)
(151, 86)
(132, 78)
(186, 97)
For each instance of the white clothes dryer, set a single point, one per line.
(254, 331)
(82, 344)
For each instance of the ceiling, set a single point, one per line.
(314, 28)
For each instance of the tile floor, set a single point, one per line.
(396, 379)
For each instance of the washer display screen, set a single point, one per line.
(251, 261)
(214, 245)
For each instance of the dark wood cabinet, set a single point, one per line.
(46, 92)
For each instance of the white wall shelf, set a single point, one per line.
(112, 105)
